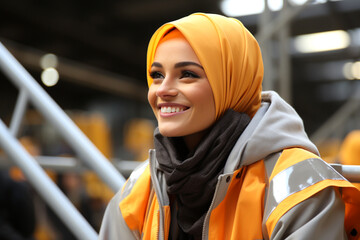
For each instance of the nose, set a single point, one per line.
(167, 88)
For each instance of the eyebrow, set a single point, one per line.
(156, 64)
(178, 65)
(184, 64)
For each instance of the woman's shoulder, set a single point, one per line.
(140, 176)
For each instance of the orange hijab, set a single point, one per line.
(229, 54)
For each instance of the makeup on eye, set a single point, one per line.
(188, 74)
(185, 70)
(156, 75)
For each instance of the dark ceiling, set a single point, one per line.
(108, 34)
(109, 39)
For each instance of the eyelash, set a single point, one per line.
(156, 75)
(188, 74)
(184, 74)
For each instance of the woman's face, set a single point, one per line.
(180, 95)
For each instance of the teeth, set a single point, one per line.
(171, 109)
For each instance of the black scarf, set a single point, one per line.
(192, 176)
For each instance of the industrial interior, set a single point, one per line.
(89, 58)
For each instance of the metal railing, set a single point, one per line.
(30, 90)
(71, 164)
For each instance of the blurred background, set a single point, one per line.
(89, 57)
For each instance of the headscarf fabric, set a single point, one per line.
(230, 55)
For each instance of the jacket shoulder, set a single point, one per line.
(140, 172)
(301, 178)
(122, 216)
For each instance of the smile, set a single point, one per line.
(171, 109)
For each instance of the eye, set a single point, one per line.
(188, 74)
(156, 75)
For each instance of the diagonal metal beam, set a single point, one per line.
(19, 112)
(47, 189)
(84, 148)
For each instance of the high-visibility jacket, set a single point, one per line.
(297, 176)
(274, 186)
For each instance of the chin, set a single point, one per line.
(169, 133)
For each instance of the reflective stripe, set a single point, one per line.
(270, 162)
(134, 176)
(296, 178)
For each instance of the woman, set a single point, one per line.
(230, 162)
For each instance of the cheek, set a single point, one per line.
(152, 97)
(205, 99)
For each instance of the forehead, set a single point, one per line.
(174, 47)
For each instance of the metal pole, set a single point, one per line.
(274, 26)
(19, 112)
(69, 164)
(269, 78)
(54, 114)
(284, 60)
(46, 187)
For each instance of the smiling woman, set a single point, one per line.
(230, 161)
(180, 95)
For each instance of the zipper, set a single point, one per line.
(160, 235)
(207, 216)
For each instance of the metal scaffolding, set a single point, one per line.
(277, 75)
(30, 90)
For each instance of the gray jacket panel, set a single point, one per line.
(320, 217)
(113, 225)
